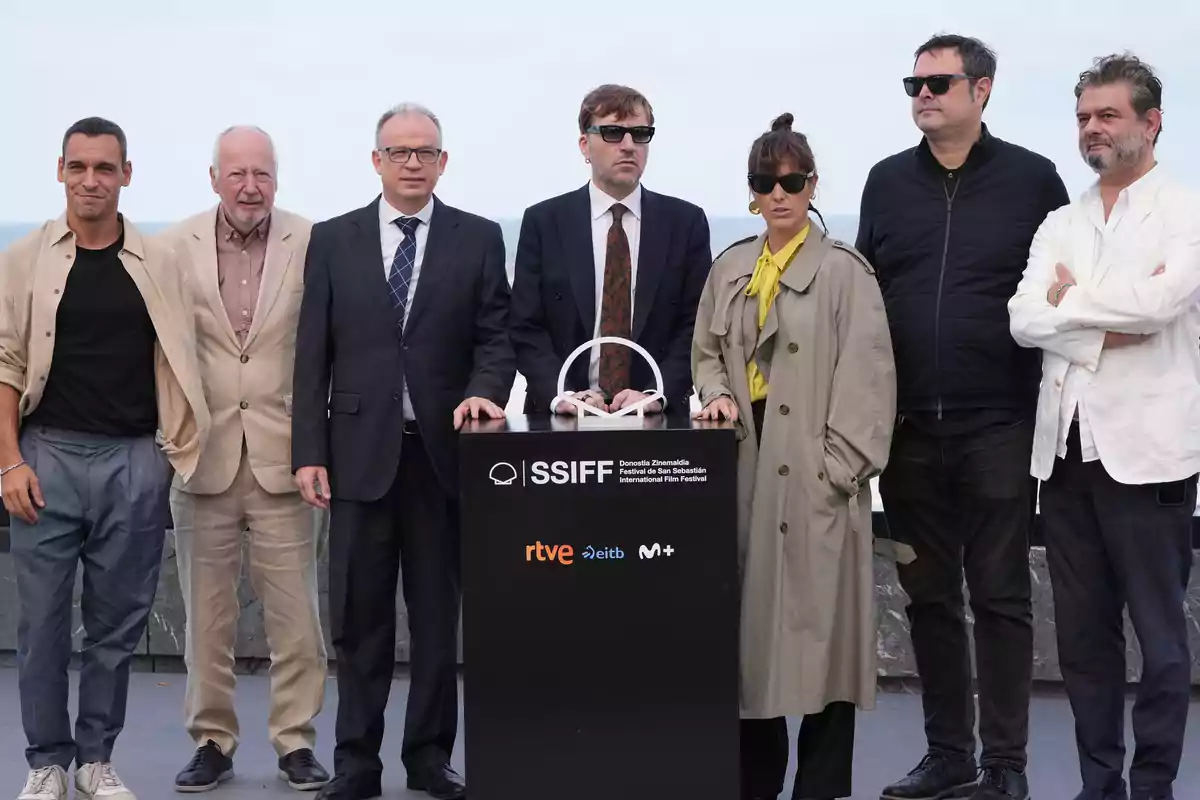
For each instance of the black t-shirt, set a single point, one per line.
(102, 373)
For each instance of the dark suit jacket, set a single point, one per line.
(455, 346)
(554, 294)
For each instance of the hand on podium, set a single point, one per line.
(589, 396)
(627, 397)
(476, 408)
(719, 407)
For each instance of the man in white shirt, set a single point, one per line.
(1110, 295)
(611, 258)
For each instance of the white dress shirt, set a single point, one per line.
(1138, 406)
(602, 219)
(390, 237)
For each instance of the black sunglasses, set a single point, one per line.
(792, 183)
(938, 84)
(616, 133)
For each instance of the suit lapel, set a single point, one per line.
(279, 256)
(369, 260)
(203, 246)
(652, 259)
(581, 256)
(437, 260)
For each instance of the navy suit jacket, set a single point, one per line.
(554, 294)
(352, 361)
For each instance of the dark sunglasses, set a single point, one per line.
(938, 84)
(792, 183)
(616, 133)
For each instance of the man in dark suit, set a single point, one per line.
(609, 259)
(406, 308)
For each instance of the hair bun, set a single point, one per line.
(783, 122)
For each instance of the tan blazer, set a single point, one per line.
(248, 389)
(33, 274)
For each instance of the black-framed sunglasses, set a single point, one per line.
(616, 133)
(792, 183)
(938, 84)
(401, 155)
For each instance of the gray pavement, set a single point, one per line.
(154, 745)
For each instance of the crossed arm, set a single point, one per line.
(1050, 311)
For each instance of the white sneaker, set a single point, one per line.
(100, 782)
(47, 783)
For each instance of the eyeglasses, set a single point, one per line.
(792, 183)
(616, 133)
(938, 84)
(401, 155)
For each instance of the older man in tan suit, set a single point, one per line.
(246, 263)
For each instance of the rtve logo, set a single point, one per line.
(561, 472)
(562, 553)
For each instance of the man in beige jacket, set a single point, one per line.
(100, 402)
(245, 260)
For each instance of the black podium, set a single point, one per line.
(600, 610)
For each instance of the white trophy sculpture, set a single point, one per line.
(630, 416)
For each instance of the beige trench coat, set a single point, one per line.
(808, 623)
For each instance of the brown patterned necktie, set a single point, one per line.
(615, 308)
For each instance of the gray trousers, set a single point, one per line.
(107, 506)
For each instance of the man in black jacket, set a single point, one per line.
(947, 225)
(406, 308)
(611, 258)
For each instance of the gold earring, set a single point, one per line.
(754, 209)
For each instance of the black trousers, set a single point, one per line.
(824, 755)
(824, 747)
(413, 532)
(965, 502)
(1108, 546)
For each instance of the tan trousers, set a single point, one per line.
(283, 572)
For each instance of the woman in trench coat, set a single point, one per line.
(791, 340)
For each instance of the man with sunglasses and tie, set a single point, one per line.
(403, 335)
(609, 259)
(947, 225)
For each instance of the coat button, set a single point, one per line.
(784, 470)
(783, 527)
(244, 405)
(396, 395)
(820, 476)
(793, 347)
(245, 359)
(784, 410)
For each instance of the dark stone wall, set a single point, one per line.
(165, 636)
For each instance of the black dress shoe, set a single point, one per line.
(208, 768)
(1002, 783)
(351, 787)
(302, 771)
(440, 783)
(935, 778)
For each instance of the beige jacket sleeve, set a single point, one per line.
(862, 408)
(708, 368)
(13, 347)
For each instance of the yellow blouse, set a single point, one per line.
(764, 284)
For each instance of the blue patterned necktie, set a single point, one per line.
(401, 272)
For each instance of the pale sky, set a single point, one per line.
(506, 78)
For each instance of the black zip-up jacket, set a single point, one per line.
(949, 247)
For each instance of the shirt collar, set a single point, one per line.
(388, 213)
(1139, 194)
(602, 201)
(226, 231)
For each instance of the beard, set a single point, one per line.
(1126, 151)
